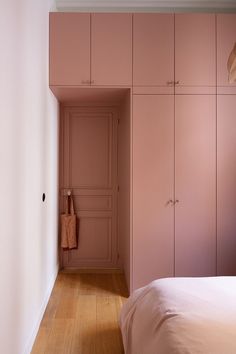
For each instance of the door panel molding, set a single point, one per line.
(89, 138)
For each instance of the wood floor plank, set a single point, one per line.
(82, 315)
(108, 332)
(60, 338)
(88, 284)
(41, 340)
(85, 325)
(67, 304)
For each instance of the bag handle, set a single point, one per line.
(67, 205)
(72, 209)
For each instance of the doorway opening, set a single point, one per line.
(94, 162)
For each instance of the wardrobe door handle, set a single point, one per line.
(177, 82)
(176, 201)
(170, 201)
(170, 83)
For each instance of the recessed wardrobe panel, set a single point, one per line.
(195, 185)
(226, 185)
(153, 188)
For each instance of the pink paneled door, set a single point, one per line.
(69, 48)
(153, 49)
(89, 169)
(195, 185)
(226, 185)
(111, 56)
(153, 188)
(226, 38)
(195, 49)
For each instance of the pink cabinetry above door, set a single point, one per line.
(153, 171)
(226, 185)
(111, 57)
(69, 48)
(226, 38)
(195, 185)
(153, 50)
(195, 53)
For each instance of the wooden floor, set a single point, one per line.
(82, 315)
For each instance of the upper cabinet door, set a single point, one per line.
(69, 48)
(195, 52)
(153, 49)
(226, 38)
(111, 48)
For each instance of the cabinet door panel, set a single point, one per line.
(69, 48)
(153, 49)
(111, 49)
(153, 171)
(195, 62)
(195, 185)
(226, 38)
(226, 185)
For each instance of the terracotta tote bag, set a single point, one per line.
(68, 225)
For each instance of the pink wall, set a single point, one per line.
(124, 184)
(28, 158)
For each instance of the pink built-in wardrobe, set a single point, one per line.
(148, 141)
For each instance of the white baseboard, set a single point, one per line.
(38, 320)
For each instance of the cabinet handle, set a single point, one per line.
(176, 201)
(177, 82)
(170, 83)
(170, 201)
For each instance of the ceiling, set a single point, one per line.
(146, 5)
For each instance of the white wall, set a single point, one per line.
(28, 160)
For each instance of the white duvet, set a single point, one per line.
(181, 316)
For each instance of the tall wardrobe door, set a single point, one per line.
(226, 185)
(195, 185)
(153, 213)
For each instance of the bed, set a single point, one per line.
(181, 316)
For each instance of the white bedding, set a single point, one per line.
(181, 316)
